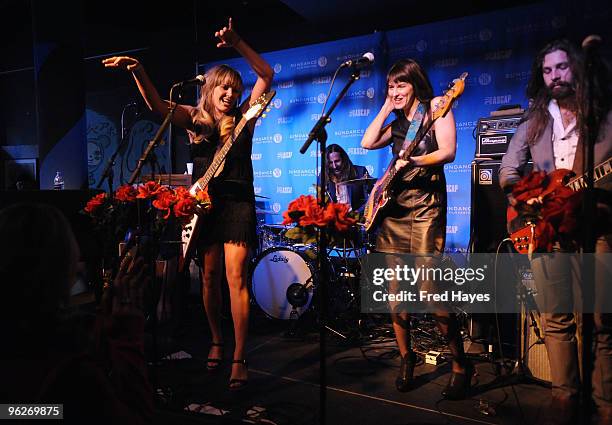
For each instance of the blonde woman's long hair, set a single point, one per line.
(218, 75)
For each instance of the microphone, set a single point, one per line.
(198, 80)
(366, 60)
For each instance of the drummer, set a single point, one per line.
(341, 169)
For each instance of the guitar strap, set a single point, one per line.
(415, 124)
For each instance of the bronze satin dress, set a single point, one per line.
(415, 221)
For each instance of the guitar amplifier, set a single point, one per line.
(493, 135)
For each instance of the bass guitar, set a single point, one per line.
(191, 230)
(525, 235)
(381, 193)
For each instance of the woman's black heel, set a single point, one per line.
(404, 379)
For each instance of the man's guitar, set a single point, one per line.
(381, 192)
(191, 230)
(525, 237)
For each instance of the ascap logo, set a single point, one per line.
(459, 210)
(357, 151)
(497, 100)
(497, 55)
(446, 62)
(276, 207)
(452, 229)
(322, 61)
(315, 117)
(255, 156)
(321, 98)
(357, 132)
(298, 136)
(303, 172)
(484, 79)
(361, 112)
(457, 168)
(485, 34)
(285, 84)
(485, 176)
(277, 172)
(284, 189)
(277, 68)
(452, 188)
(321, 80)
(278, 138)
(421, 45)
(276, 258)
(284, 155)
(370, 93)
(370, 169)
(257, 190)
(277, 103)
(284, 120)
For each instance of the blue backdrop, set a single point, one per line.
(496, 49)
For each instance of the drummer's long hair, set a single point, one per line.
(348, 171)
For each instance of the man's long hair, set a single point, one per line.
(348, 171)
(539, 94)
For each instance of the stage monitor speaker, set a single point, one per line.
(488, 206)
(532, 346)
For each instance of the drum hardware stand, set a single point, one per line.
(297, 295)
(318, 133)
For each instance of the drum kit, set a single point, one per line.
(284, 278)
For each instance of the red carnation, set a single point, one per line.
(126, 193)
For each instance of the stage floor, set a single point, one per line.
(284, 381)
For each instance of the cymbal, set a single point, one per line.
(260, 196)
(367, 180)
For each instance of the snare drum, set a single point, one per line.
(275, 271)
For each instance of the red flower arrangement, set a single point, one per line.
(114, 216)
(309, 217)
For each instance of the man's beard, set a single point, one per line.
(562, 90)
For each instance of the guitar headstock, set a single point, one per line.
(259, 106)
(444, 104)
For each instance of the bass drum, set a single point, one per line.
(275, 271)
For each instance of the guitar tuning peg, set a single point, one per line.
(263, 115)
(268, 109)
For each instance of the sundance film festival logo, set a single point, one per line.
(255, 156)
(356, 132)
(262, 174)
(460, 40)
(284, 155)
(485, 34)
(305, 100)
(262, 140)
(446, 62)
(276, 207)
(277, 138)
(485, 176)
(277, 68)
(322, 61)
(277, 103)
(370, 93)
(466, 125)
(459, 210)
(298, 136)
(321, 97)
(312, 63)
(284, 189)
(457, 168)
(277, 172)
(421, 46)
(303, 172)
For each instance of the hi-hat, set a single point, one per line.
(366, 180)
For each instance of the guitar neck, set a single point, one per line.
(220, 156)
(599, 172)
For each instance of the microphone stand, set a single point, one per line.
(318, 133)
(108, 172)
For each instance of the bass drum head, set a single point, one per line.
(274, 271)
